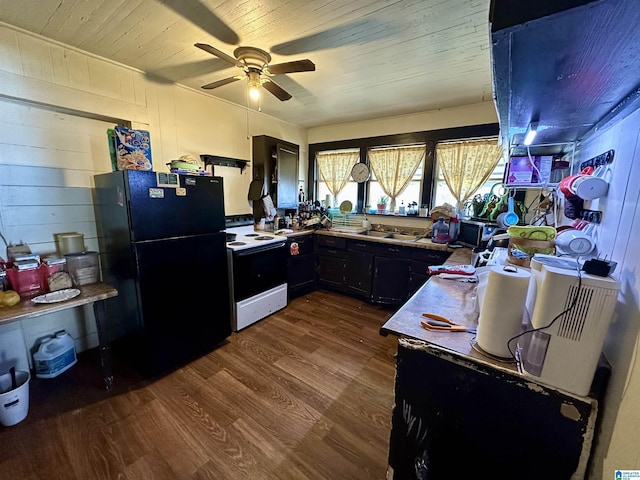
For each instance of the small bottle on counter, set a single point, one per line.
(454, 228)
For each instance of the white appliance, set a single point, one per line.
(573, 311)
(257, 262)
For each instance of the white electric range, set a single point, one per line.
(257, 262)
(247, 237)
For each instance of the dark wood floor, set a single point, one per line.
(305, 394)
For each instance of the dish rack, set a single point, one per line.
(346, 223)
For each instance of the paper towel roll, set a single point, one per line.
(501, 309)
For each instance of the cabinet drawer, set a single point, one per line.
(393, 251)
(335, 242)
(433, 257)
(361, 246)
(332, 252)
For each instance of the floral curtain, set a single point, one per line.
(394, 168)
(467, 165)
(334, 168)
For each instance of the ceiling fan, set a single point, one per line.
(255, 64)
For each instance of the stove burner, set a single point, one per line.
(264, 237)
(251, 235)
(236, 244)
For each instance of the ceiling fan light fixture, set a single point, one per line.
(254, 82)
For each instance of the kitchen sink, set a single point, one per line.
(402, 236)
(393, 235)
(374, 233)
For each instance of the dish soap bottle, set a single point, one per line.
(440, 231)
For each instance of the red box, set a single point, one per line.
(28, 283)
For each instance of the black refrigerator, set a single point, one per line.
(163, 247)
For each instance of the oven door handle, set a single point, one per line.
(259, 249)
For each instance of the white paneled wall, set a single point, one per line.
(56, 104)
(617, 240)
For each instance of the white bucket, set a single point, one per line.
(14, 403)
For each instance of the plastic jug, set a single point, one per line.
(55, 355)
(440, 231)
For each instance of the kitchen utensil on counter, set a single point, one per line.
(442, 324)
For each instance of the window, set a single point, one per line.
(335, 184)
(411, 192)
(466, 168)
(421, 186)
(444, 195)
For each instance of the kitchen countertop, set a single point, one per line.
(459, 256)
(451, 299)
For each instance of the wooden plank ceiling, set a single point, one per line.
(374, 58)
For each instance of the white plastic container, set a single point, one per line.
(14, 403)
(55, 355)
(83, 267)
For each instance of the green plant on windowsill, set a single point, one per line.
(382, 204)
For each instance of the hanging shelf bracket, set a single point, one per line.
(223, 162)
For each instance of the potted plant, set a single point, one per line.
(382, 204)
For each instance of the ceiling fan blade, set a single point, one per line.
(276, 90)
(219, 54)
(305, 65)
(220, 83)
(195, 12)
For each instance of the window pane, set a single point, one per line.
(444, 195)
(349, 192)
(412, 193)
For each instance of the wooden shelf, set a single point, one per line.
(223, 161)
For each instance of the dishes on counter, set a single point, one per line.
(57, 296)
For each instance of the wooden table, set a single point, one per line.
(460, 412)
(95, 294)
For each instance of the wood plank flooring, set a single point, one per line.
(306, 393)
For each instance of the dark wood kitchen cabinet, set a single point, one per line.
(391, 270)
(359, 277)
(524, 430)
(421, 260)
(332, 262)
(275, 164)
(302, 267)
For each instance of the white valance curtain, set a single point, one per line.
(334, 168)
(466, 165)
(394, 168)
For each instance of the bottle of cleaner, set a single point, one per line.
(55, 355)
(454, 228)
(440, 231)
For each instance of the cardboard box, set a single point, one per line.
(133, 149)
